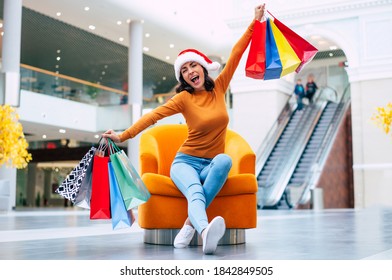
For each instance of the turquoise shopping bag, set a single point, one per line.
(133, 190)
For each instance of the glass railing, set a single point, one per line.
(62, 86)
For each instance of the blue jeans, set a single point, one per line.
(200, 180)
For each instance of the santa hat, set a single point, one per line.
(194, 55)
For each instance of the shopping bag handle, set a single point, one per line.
(270, 15)
(113, 148)
(102, 146)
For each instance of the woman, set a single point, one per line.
(200, 168)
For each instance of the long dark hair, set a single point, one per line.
(209, 83)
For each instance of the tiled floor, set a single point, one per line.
(69, 234)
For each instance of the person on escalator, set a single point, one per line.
(311, 88)
(299, 92)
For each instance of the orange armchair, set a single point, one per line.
(165, 212)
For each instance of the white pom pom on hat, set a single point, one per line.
(194, 55)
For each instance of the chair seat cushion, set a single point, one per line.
(235, 185)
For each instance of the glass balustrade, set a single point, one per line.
(66, 87)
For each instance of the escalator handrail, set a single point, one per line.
(274, 134)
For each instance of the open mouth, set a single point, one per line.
(195, 79)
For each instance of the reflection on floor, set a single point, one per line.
(69, 234)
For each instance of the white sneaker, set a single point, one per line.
(184, 237)
(213, 233)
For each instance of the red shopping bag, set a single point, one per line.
(100, 187)
(304, 50)
(255, 63)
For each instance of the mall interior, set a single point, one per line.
(73, 69)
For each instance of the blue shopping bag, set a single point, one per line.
(121, 217)
(273, 67)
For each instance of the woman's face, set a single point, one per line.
(193, 74)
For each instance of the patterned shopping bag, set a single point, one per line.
(83, 196)
(69, 188)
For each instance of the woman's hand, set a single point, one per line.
(112, 135)
(259, 12)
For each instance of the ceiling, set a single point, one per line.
(168, 26)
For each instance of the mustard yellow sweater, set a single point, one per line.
(204, 111)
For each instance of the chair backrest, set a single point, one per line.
(159, 145)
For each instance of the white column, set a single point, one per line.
(12, 27)
(135, 83)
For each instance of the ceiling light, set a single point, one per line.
(119, 22)
(147, 35)
(164, 78)
(2, 33)
(171, 46)
(167, 57)
(58, 51)
(96, 136)
(121, 39)
(330, 54)
(332, 48)
(92, 27)
(146, 49)
(58, 58)
(44, 136)
(1, 25)
(86, 8)
(128, 20)
(58, 14)
(62, 130)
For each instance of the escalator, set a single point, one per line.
(313, 145)
(279, 149)
(285, 175)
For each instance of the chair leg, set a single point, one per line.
(232, 236)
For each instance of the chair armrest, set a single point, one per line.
(244, 159)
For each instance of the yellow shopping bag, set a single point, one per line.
(288, 57)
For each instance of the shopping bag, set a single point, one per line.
(255, 63)
(133, 190)
(69, 188)
(273, 64)
(304, 50)
(83, 196)
(287, 55)
(121, 218)
(100, 189)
